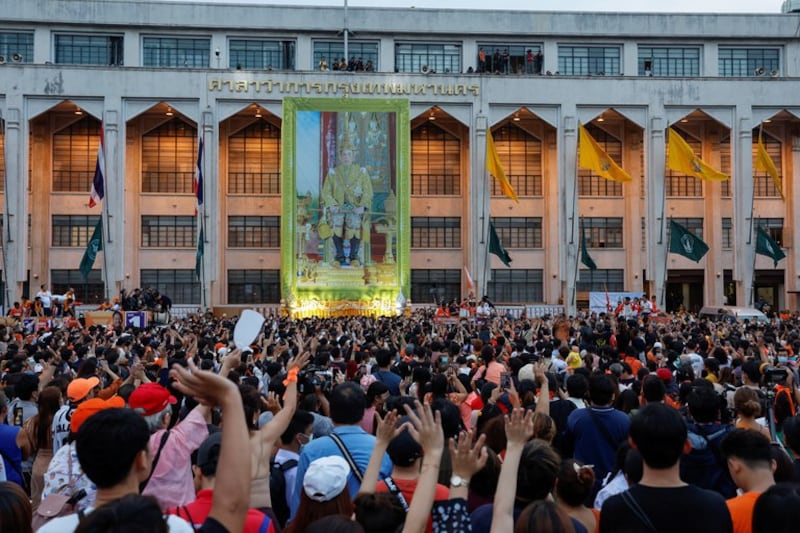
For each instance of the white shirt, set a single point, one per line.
(46, 298)
(290, 475)
(616, 486)
(67, 524)
(61, 426)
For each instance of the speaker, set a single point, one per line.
(425, 69)
(16, 57)
(759, 71)
(2, 59)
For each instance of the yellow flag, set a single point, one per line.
(495, 168)
(681, 158)
(591, 156)
(764, 163)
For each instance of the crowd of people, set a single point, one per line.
(597, 423)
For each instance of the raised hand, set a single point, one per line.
(387, 428)
(519, 427)
(206, 387)
(426, 427)
(467, 458)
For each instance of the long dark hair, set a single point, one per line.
(49, 402)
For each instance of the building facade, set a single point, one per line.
(155, 76)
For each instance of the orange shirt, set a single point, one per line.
(741, 509)
(407, 488)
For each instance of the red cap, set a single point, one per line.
(664, 374)
(150, 399)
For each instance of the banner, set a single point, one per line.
(345, 224)
(597, 300)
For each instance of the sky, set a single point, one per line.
(675, 6)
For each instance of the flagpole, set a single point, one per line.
(753, 282)
(663, 302)
(577, 268)
(104, 230)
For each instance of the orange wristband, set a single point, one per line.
(291, 377)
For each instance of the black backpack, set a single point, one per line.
(277, 489)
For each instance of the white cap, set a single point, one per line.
(326, 478)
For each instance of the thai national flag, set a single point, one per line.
(98, 182)
(198, 176)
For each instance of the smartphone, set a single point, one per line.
(505, 380)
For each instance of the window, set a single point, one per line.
(255, 54)
(435, 232)
(727, 233)
(254, 232)
(590, 184)
(516, 286)
(169, 158)
(434, 286)
(435, 161)
(773, 226)
(436, 57)
(749, 61)
(521, 155)
(602, 232)
(519, 232)
(73, 230)
(516, 62)
(669, 61)
(330, 50)
(254, 286)
(176, 52)
(89, 49)
(169, 231)
(20, 44)
(254, 160)
(89, 290)
(611, 279)
(681, 185)
(180, 285)
(725, 164)
(589, 60)
(75, 156)
(763, 185)
(694, 225)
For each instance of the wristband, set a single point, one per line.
(291, 377)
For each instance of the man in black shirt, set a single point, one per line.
(662, 502)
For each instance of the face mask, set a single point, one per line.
(782, 359)
(310, 438)
(444, 359)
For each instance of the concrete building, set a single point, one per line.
(154, 73)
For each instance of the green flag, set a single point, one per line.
(586, 259)
(198, 264)
(766, 245)
(685, 243)
(94, 245)
(496, 247)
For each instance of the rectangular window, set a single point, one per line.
(592, 185)
(169, 231)
(694, 225)
(176, 52)
(612, 279)
(435, 232)
(180, 285)
(773, 226)
(516, 286)
(332, 51)
(254, 160)
(427, 57)
(435, 285)
(254, 232)
(16, 47)
(589, 60)
(2, 157)
(511, 58)
(169, 158)
(727, 233)
(736, 62)
(255, 54)
(521, 156)
(73, 230)
(435, 161)
(89, 49)
(725, 165)
(602, 232)
(763, 185)
(89, 290)
(254, 286)
(519, 232)
(669, 61)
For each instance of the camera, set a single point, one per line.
(775, 374)
(312, 377)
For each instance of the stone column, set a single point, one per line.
(743, 225)
(15, 212)
(656, 205)
(568, 206)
